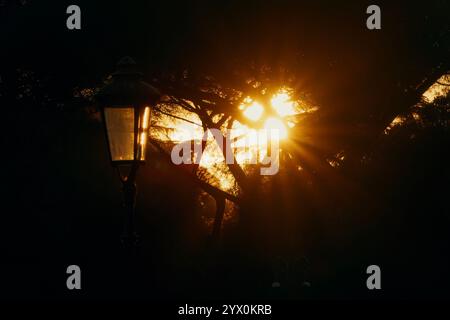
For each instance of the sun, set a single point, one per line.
(283, 105)
(276, 124)
(248, 143)
(254, 111)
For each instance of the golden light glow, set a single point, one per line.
(254, 111)
(283, 105)
(437, 89)
(276, 124)
(174, 128)
(143, 139)
(396, 122)
(146, 118)
(248, 144)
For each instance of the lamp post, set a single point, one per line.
(125, 104)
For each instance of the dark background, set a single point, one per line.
(61, 200)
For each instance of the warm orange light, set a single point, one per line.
(283, 105)
(438, 89)
(249, 143)
(276, 124)
(143, 138)
(146, 118)
(254, 111)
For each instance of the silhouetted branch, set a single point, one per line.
(213, 191)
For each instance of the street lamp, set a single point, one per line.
(125, 104)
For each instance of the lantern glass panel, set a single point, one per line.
(120, 130)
